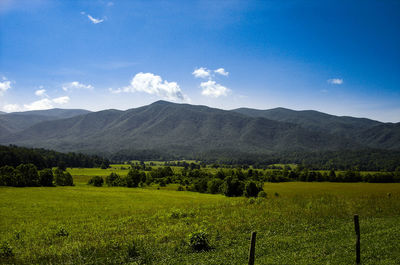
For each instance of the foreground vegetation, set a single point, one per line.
(297, 223)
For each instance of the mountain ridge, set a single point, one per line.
(186, 130)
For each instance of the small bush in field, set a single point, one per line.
(6, 250)
(262, 194)
(198, 241)
(96, 181)
(62, 232)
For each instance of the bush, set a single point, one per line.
(180, 188)
(252, 189)
(46, 177)
(214, 185)
(198, 241)
(114, 180)
(133, 178)
(28, 175)
(96, 181)
(232, 187)
(62, 232)
(262, 194)
(62, 178)
(6, 250)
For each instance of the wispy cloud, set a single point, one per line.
(76, 85)
(4, 85)
(61, 100)
(201, 72)
(221, 71)
(95, 20)
(154, 85)
(92, 19)
(335, 81)
(12, 108)
(213, 89)
(41, 93)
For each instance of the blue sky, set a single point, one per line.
(339, 57)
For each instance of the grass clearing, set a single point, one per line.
(307, 223)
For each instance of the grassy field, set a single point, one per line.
(298, 223)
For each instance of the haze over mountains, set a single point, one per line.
(185, 130)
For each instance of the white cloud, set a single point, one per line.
(201, 72)
(212, 89)
(335, 81)
(61, 100)
(154, 85)
(221, 71)
(12, 108)
(95, 20)
(4, 86)
(41, 104)
(41, 93)
(76, 85)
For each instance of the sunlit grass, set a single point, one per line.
(303, 223)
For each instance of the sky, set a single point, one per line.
(338, 57)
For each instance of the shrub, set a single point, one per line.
(114, 179)
(232, 187)
(198, 241)
(46, 177)
(180, 188)
(252, 189)
(262, 194)
(62, 232)
(214, 185)
(62, 178)
(96, 181)
(133, 178)
(28, 175)
(6, 250)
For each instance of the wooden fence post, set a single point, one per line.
(252, 248)
(357, 228)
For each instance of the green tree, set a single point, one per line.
(133, 178)
(28, 175)
(46, 177)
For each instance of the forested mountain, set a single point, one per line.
(183, 131)
(17, 121)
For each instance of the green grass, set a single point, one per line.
(307, 223)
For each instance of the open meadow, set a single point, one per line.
(298, 223)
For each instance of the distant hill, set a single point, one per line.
(313, 120)
(183, 130)
(17, 121)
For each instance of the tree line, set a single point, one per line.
(14, 156)
(27, 175)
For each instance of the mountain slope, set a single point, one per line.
(313, 120)
(17, 121)
(179, 129)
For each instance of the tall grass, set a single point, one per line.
(298, 223)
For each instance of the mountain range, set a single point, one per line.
(184, 130)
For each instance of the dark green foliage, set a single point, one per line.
(28, 176)
(262, 194)
(198, 241)
(252, 189)
(46, 177)
(6, 250)
(62, 232)
(114, 179)
(232, 187)
(214, 185)
(134, 177)
(62, 178)
(41, 158)
(7, 176)
(96, 181)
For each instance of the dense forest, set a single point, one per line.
(14, 156)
